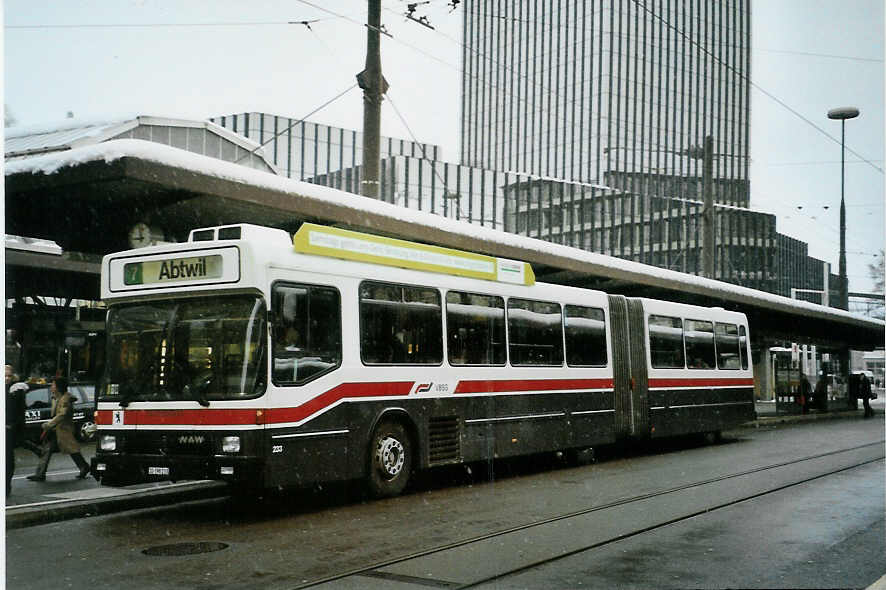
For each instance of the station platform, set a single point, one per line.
(62, 496)
(767, 412)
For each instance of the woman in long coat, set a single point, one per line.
(62, 427)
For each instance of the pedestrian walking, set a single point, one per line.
(59, 432)
(864, 392)
(805, 393)
(15, 422)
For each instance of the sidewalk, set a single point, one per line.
(63, 497)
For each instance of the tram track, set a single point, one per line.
(374, 570)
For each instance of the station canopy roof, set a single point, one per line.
(94, 194)
(200, 137)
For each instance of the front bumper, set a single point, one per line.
(116, 469)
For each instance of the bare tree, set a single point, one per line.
(878, 274)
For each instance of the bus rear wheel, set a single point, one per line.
(390, 459)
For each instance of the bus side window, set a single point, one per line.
(727, 343)
(585, 336)
(666, 342)
(307, 332)
(535, 333)
(476, 329)
(400, 324)
(699, 338)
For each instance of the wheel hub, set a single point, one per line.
(389, 456)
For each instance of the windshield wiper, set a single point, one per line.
(199, 385)
(201, 399)
(124, 398)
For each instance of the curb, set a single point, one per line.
(26, 516)
(770, 420)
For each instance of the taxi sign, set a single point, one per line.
(352, 245)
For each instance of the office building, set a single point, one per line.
(580, 90)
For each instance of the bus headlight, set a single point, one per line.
(231, 444)
(107, 442)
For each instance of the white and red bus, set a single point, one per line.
(250, 356)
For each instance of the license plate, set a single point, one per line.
(158, 470)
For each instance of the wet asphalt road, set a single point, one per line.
(825, 533)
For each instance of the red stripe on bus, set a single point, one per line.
(345, 390)
(509, 385)
(235, 417)
(208, 417)
(702, 382)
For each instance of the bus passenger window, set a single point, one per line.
(726, 340)
(585, 337)
(699, 338)
(666, 342)
(307, 332)
(400, 325)
(535, 333)
(476, 329)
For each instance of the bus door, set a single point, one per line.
(639, 373)
(629, 367)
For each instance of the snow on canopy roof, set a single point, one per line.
(73, 133)
(596, 263)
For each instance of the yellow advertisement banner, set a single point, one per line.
(351, 245)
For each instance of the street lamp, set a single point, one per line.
(842, 114)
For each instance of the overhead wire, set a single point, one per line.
(157, 25)
(742, 75)
(509, 18)
(297, 121)
(794, 211)
(434, 170)
(553, 93)
(380, 30)
(539, 85)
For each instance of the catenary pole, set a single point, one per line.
(374, 87)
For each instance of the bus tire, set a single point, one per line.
(390, 459)
(713, 437)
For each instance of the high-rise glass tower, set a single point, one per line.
(610, 92)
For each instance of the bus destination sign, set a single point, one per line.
(172, 270)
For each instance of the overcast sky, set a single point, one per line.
(103, 59)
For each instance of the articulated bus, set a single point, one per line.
(265, 360)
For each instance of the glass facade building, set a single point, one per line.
(305, 150)
(578, 90)
(607, 104)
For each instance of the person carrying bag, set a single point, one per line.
(58, 433)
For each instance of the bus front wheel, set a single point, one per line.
(390, 459)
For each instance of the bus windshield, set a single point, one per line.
(199, 349)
